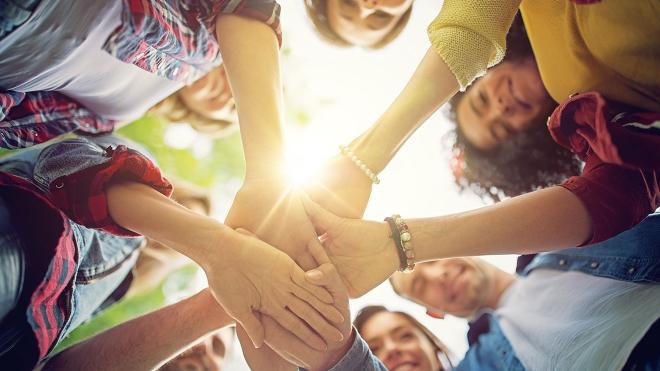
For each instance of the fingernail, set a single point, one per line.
(314, 274)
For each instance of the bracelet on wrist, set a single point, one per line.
(403, 241)
(359, 163)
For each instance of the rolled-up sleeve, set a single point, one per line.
(470, 35)
(75, 173)
(266, 11)
(616, 198)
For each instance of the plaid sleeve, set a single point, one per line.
(267, 11)
(615, 197)
(81, 194)
(31, 118)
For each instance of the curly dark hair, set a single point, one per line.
(369, 311)
(523, 163)
(317, 11)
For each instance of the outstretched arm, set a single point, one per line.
(145, 343)
(366, 255)
(245, 274)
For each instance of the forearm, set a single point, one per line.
(430, 87)
(146, 342)
(143, 210)
(544, 220)
(250, 55)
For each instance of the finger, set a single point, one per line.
(298, 328)
(326, 310)
(322, 219)
(325, 275)
(314, 320)
(318, 253)
(252, 326)
(288, 346)
(318, 292)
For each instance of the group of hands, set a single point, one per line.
(297, 256)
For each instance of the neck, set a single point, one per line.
(501, 281)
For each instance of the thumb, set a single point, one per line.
(322, 219)
(252, 327)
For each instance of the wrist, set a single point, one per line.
(336, 355)
(214, 314)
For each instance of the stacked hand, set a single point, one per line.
(252, 276)
(361, 250)
(290, 350)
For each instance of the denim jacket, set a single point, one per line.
(103, 260)
(633, 255)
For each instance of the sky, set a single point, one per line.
(340, 92)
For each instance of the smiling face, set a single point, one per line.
(210, 96)
(365, 22)
(457, 286)
(399, 344)
(506, 101)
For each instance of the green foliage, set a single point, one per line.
(224, 162)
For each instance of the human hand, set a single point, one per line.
(341, 188)
(285, 349)
(253, 276)
(274, 212)
(361, 250)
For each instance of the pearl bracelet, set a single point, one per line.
(365, 169)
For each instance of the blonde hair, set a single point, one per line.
(174, 110)
(317, 10)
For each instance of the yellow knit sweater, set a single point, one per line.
(612, 47)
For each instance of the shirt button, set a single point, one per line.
(594, 264)
(562, 262)
(59, 185)
(631, 270)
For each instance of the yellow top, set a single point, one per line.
(612, 47)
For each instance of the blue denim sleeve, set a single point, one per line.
(358, 358)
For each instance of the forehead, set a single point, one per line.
(383, 323)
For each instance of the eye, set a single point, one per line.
(482, 97)
(407, 336)
(349, 3)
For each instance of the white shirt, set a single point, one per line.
(574, 321)
(60, 48)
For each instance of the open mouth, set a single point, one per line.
(406, 366)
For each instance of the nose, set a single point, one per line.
(369, 4)
(391, 351)
(504, 106)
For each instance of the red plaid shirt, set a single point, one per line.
(620, 183)
(174, 39)
(78, 197)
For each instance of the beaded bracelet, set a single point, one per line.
(365, 169)
(403, 240)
